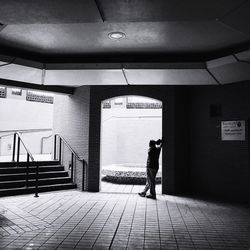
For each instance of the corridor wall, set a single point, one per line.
(219, 168)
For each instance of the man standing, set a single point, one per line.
(152, 168)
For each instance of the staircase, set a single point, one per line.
(51, 176)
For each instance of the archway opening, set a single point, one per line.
(128, 123)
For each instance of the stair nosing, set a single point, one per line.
(33, 187)
(18, 174)
(20, 181)
(44, 166)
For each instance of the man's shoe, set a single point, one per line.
(150, 196)
(142, 194)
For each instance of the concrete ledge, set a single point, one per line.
(129, 173)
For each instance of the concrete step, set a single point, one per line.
(41, 175)
(15, 170)
(51, 176)
(30, 190)
(32, 182)
(24, 164)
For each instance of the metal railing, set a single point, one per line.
(17, 139)
(59, 141)
(26, 132)
(42, 142)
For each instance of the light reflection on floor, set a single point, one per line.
(108, 187)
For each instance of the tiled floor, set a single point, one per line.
(108, 187)
(81, 220)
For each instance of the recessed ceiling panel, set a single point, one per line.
(169, 77)
(239, 19)
(233, 72)
(221, 61)
(84, 77)
(21, 73)
(141, 38)
(244, 55)
(2, 63)
(165, 10)
(2, 26)
(48, 11)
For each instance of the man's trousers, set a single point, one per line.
(151, 174)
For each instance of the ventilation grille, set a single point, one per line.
(37, 97)
(144, 105)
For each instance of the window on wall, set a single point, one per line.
(106, 104)
(2, 92)
(15, 91)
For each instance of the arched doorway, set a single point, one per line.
(127, 125)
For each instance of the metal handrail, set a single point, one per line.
(6, 135)
(73, 155)
(27, 150)
(29, 156)
(42, 140)
(69, 147)
(24, 131)
(22, 141)
(18, 137)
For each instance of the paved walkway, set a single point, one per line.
(108, 187)
(81, 220)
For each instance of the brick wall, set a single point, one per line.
(71, 120)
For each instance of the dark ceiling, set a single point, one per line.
(156, 30)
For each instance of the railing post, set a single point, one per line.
(72, 166)
(27, 170)
(55, 147)
(36, 189)
(18, 149)
(60, 150)
(83, 175)
(14, 147)
(41, 147)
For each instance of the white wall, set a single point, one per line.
(37, 143)
(71, 120)
(18, 114)
(126, 133)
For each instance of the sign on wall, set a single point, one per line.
(233, 130)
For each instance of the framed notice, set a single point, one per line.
(233, 130)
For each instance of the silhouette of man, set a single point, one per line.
(152, 168)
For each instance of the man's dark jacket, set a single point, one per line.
(153, 157)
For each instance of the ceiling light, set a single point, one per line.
(117, 35)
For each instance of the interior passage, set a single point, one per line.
(81, 220)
